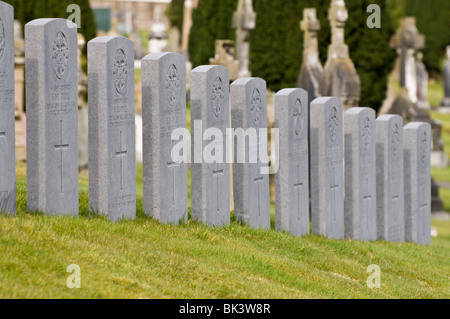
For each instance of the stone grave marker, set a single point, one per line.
(210, 178)
(389, 171)
(163, 110)
(7, 132)
(327, 167)
(52, 116)
(360, 206)
(112, 155)
(250, 187)
(292, 178)
(416, 156)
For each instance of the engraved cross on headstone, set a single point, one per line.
(173, 165)
(367, 198)
(334, 188)
(298, 186)
(218, 173)
(121, 154)
(423, 209)
(259, 180)
(60, 148)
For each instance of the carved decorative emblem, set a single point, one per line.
(423, 147)
(395, 139)
(366, 133)
(256, 107)
(298, 117)
(2, 39)
(217, 96)
(120, 70)
(60, 55)
(333, 123)
(172, 84)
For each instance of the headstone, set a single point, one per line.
(83, 114)
(292, 178)
(210, 178)
(244, 20)
(389, 172)
(327, 167)
(52, 116)
(224, 55)
(112, 158)
(311, 71)
(163, 110)
(360, 204)
(417, 174)
(446, 100)
(250, 186)
(422, 82)
(7, 132)
(340, 78)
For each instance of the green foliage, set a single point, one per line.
(277, 42)
(175, 14)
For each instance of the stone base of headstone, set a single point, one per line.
(402, 106)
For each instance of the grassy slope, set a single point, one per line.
(144, 259)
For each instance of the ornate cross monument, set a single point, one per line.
(340, 77)
(244, 20)
(311, 71)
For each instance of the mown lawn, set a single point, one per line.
(145, 259)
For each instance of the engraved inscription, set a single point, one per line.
(366, 133)
(333, 123)
(298, 117)
(120, 71)
(217, 96)
(172, 84)
(122, 201)
(2, 39)
(256, 107)
(59, 100)
(60, 55)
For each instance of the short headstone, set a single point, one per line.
(52, 116)
(210, 178)
(163, 110)
(7, 132)
(327, 167)
(416, 156)
(390, 191)
(292, 178)
(112, 155)
(250, 187)
(360, 204)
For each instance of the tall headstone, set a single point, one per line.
(327, 167)
(292, 178)
(340, 78)
(360, 204)
(250, 186)
(112, 156)
(389, 172)
(244, 20)
(52, 116)
(311, 71)
(446, 100)
(7, 132)
(224, 55)
(417, 174)
(163, 110)
(210, 173)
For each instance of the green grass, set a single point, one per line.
(145, 259)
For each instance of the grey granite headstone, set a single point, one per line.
(7, 132)
(446, 99)
(52, 116)
(210, 180)
(292, 178)
(416, 156)
(250, 187)
(360, 205)
(112, 153)
(327, 167)
(163, 110)
(390, 191)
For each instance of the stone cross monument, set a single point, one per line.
(340, 78)
(311, 71)
(244, 20)
(446, 100)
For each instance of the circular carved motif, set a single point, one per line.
(256, 107)
(217, 96)
(298, 117)
(172, 84)
(60, 55)
(423, 147)
(395, 139)
(120, 70)
(367, 133)
(2, 39)
(333, 124)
